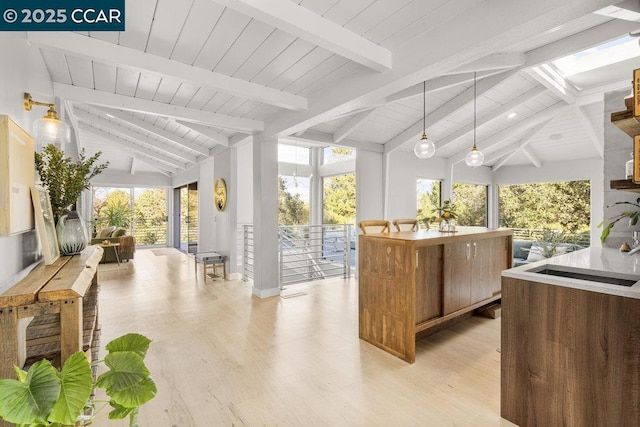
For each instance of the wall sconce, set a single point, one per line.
(48, 129)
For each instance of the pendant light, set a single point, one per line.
(424, 148)
(474, 157)
(48, 129)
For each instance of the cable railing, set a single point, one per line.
(247, 252)
(537, 234)
(146, 232)
(314, 252)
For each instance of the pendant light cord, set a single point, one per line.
(475, 101)
(424, 107)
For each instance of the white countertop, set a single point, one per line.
(596, 261)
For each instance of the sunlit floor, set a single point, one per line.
(222, 357)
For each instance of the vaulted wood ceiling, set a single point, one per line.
(190, 78)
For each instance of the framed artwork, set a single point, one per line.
(220, 194)
(17, 176)
(45, 224)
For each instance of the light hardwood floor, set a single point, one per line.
(222, 357)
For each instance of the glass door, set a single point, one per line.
(186, 227)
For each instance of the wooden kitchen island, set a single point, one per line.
(410, 282)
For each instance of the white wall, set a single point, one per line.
(404, 168)
(206, 210)
(22, 70)
(140, 179)
(369, 185)
(244, 177)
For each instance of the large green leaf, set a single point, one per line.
(119, 411)
(130, 342)
(77, 383)
(126, 368)
(30, 401)
(136, 395)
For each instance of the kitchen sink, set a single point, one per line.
(588, 275)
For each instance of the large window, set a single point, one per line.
(339, 199)
(293, 200)
(293, 154)
(427, 200)
(143, 211)
(561, 206)
(470, 204)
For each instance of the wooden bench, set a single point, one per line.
(52, 313)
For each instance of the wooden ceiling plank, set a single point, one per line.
(413, 133)
(117, 129)
(120, 102)
(152, 158)
(168, 22)
(533, 159)
(207, 132)
(307, 25)
(203, 14)
(591, 132)
(521, 145)
(495, 61)
(326, 139)
(460, 132)
(160, 148)
(494, 141)
(352, 125)
(414, 61)
(149, 127)
(109, 53)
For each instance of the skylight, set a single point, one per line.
(597, 57)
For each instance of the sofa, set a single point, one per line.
(112, 234)
(522, 251)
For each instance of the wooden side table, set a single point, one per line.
(115, 249)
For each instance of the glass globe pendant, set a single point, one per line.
(474, 158)
(424, 148)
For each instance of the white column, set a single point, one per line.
(369, 185)
(315, 188)
(265, 215)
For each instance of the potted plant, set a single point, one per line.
(65, 179)
(44, 396)
(632, 215)
(446, 216)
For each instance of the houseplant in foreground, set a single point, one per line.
(632, 215)
(44, 396)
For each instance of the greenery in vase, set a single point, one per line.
(44, 396)
(64, 177)
(445, 212)
(632, 215)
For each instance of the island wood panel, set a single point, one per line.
(385, 296)
(569, 356)
(428, 283)
(409, 267)
(457, 276)
(490, 258)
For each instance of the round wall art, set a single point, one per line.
(220, 194)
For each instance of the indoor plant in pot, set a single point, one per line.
(633, 216)
(44, 396)
(65, 179)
